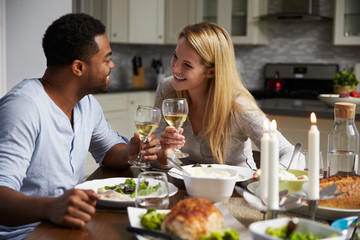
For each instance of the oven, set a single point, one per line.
(293, 89)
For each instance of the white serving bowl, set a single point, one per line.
(215, 189)
(258, 229)
(331, 99)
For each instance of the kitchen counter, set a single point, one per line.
(298, 107)
(129, 89)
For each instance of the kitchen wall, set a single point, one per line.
(301, 42)
(26, 22)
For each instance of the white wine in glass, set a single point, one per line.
(175, 111)
(147, 119)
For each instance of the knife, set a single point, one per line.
(135, 66)
(143, 231)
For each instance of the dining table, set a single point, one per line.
(111, 223)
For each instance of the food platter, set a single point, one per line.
(134, 215)
(244, 173)
(331, 99)
(99, 183)
(322, 212)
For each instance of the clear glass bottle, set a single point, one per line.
(343, 142)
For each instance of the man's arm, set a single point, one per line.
(73, 209)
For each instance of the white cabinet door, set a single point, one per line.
(238, 17)
(346, 22)
(118, 21)
(146, 21)
(178, 14)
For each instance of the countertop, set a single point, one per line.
(125, 89)
(278, 106)
(298, 107)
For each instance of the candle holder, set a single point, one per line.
(286, 202)
(326, 193)
(313, 204)
(271, 214)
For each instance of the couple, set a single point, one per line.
(48, 125)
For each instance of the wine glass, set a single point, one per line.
(152, 190)
(147, 119)
(175, 111)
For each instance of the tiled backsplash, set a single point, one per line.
(302, 42)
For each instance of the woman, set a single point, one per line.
(223, 115)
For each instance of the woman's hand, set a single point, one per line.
(171, 139)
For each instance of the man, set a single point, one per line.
(48, 125)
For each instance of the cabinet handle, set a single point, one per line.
(160, 36)
(114, 35)
(131, 102)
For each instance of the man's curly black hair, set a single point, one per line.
(71, 37)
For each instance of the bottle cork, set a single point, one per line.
(344, 110)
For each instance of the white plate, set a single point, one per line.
(331, 99)
(99, 183)
(135, 214)
(244, 173)
(322, 212)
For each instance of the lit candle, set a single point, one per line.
(313, 159)
(273, 169)
(264, 161)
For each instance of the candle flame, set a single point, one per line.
(273, 125)
(313, 118)
(266, 125)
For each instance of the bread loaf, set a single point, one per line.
(349, 185)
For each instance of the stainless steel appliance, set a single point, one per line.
(299, 80)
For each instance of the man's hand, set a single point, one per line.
(149, 148)
(73, 209)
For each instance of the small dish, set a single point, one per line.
(290, 185)
(331, 99)
(342, 224)
(258, 229)
(222, 187)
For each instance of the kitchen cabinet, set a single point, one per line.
(159, 21)
(238, 17)
(119, 110)
(135, 21)
(146, 21)
(346, 22)
(178, 14)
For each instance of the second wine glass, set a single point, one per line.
(175, 111)
(147, 119)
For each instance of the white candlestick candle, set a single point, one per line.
(264, 161)
(273, 169)
(313, 159)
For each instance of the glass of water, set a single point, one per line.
(321, 163)
(152, 190)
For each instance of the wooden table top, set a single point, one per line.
(107, 223)
(110, 223)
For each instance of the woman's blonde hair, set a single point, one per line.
(215, 48)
